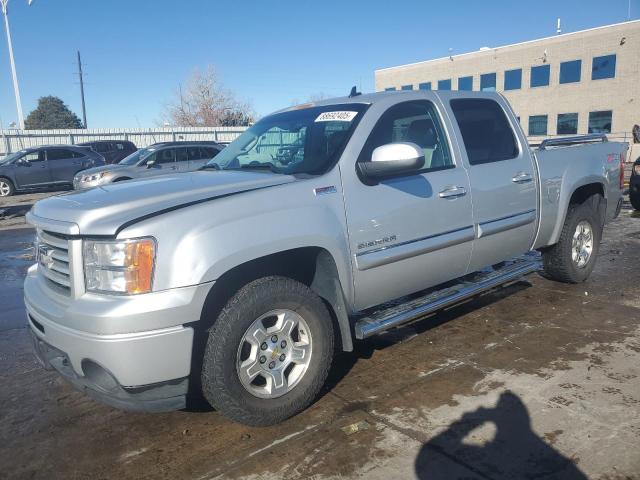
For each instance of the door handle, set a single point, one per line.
(453, 192)
(522, 177)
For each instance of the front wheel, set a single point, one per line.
(635, 200)
(573, 258)
(269, 352)
(6, 187)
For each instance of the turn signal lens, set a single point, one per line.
(122, 267)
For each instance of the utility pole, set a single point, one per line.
(16, 89)
(80, 74)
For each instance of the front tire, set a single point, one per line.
(268, 353)
(573, 258)
(635, 200)
(6, 187)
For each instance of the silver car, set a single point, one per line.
(158, 159)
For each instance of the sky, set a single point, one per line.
(269, 53)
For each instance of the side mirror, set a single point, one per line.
(393, 159)
(150, 163)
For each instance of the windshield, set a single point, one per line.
(136, 156)
(11, 157)
(304, 141)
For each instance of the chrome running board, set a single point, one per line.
(405, 310)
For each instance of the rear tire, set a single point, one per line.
(573, 258)
(6, 187)
(256, 370)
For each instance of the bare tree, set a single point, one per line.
(204, 102)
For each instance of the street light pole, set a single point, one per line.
(16, 89)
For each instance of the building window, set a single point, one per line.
(513, 79)
(407, 87)
(600, 122)
(465, 83)
(488, 82)
(444, 84)
(540, 75)
(567, 124)
(603, 67)
(538, 125)
(425, 86)
(390, 89)
(570, 71)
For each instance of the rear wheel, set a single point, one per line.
(6, 187)
(269, 352)
(573, 258)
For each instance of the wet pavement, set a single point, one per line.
(534, 380)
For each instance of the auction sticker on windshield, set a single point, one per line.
(340, 116)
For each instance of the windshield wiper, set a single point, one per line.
(260, 166)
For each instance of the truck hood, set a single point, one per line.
(105, 210)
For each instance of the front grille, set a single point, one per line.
(53, 261)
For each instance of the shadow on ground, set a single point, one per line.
(515, 451)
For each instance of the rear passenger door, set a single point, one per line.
(63, 164)
(199, 156)
(415, 231)
(182, 159)
(501, 174)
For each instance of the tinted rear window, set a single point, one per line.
(485, 130)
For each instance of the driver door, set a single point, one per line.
(414, 231)
(164, 163)
(35, 172)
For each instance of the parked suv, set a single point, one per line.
(112, 150)
(158, 159)
(44, 167)
(634, 185)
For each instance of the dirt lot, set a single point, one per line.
(13, 209)
(535, 380)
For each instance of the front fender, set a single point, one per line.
(200, 243)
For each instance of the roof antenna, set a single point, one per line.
(354, 92)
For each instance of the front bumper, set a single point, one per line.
(101, 385)
(129, 352)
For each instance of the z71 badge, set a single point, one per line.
(375, 243)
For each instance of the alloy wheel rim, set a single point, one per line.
(582, 244)
(4, 189)
(274, 354)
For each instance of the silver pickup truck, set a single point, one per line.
(322, 224)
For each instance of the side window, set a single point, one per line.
(165, 156)
(181, 155)
(75, 154)
(33, 157)
(119, 146)
(209, 152)
(486, 132)
(58, 154)
(416, 122)
(102, 147)
(194, 153)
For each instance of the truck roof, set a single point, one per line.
(370, 98)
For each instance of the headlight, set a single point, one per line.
(93, 176)
(122, 267)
